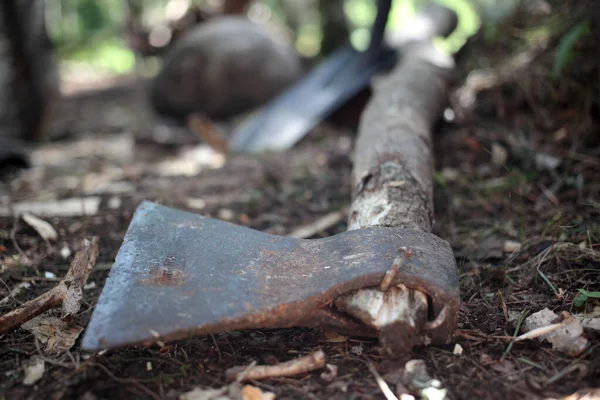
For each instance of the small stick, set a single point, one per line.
(318, 226)
(68, 292)
(298, 366)
(209, 132)
(387, 392)
(565, 319)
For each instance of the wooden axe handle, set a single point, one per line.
(393, 169)
(393, 181)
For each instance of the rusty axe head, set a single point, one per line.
(179, 274)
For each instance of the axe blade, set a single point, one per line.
(178, 274)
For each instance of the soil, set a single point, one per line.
(515, 177)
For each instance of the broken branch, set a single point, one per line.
(298, 366)
(68, 292)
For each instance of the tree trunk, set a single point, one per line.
(28, 73)
(334, 24)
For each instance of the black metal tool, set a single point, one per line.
(291, 115)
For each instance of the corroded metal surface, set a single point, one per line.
(179, 274)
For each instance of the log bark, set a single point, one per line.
(393, 179)
(393, 168)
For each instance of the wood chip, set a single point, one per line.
(33, 370)
(43, 228)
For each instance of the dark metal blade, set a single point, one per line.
(290, 116)
(179, 274)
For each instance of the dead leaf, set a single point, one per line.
(43, 228)
(334, 337)
(57, 335)
(568, 339)
(591, 320)
(253, 393)
(33, 369)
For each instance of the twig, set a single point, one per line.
(298, 366)
(387, 392)
(68, 292)
(517, 328)
(503, 304)
(14, 292)
(13, 238)
(127, 380)
(318, 226)
(209, 132)
(544, 330)
(216, 347)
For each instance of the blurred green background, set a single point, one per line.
(90, 33)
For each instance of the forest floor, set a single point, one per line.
(517, 195)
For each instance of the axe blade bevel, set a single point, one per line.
(179, 274)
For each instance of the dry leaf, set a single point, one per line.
(334, 337)
(568, 339)
(590, 320)
(253, 393)
(56, 334)
(33, 369)
(43, 228)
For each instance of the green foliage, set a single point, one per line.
(92, 16)
(110, 55)
(566, 46)
(583, 296)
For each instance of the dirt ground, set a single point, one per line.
(517, 196)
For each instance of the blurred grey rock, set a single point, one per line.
(223, 67)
